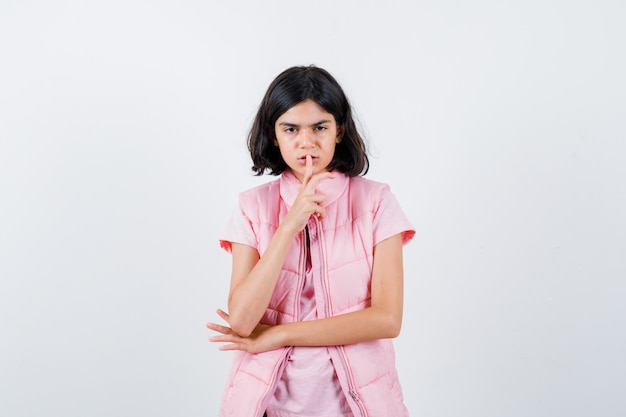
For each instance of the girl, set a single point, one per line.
(316, 286)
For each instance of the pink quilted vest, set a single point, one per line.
(359, 214)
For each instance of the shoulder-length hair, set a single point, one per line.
(291, 87)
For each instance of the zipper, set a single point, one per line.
(302, 272)
(350, 380)
(328, 313)
(283, 357)
(354, 395)
(282, 362)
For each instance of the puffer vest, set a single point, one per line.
(359, 214)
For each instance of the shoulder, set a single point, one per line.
(367, 183)
(260, 203)
(367, 188)
(259, 193)
(388, 217)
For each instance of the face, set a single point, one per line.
(307, 129)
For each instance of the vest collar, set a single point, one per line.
(332, 188)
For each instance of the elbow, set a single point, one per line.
(393, 326)
(388, 323)
(243, 332)
(394, 331)
(241, 326)
(241, 329)
(239, 322)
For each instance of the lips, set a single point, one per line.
(303, 158)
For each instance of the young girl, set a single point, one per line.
(316, 286)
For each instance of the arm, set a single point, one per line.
(252, 281)
(382, 320)
(254, 277)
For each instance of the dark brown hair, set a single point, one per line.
(291, 87)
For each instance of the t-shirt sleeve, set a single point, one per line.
(238, 230)
(389, 219)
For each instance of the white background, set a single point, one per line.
(498, 124)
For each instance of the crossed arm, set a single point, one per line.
(247, 303)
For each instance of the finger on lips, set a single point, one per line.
(310, 182)
(308, 169)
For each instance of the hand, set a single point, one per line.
(307, 202)
(262, 339)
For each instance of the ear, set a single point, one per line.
(339, 134)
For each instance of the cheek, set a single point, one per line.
(283, 150)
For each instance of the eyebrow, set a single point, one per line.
(287, 124)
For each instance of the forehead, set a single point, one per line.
(307, 111)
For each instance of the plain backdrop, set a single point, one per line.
(498, 124)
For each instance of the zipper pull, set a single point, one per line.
(354, 395)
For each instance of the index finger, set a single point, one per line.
(308, 170)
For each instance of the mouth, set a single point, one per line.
(302, 159)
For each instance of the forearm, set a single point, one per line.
(359, 326)
(380, 321)
(250, 296)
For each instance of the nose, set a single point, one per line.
(306, 139)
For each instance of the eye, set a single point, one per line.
(320, 128)
(290, 130)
